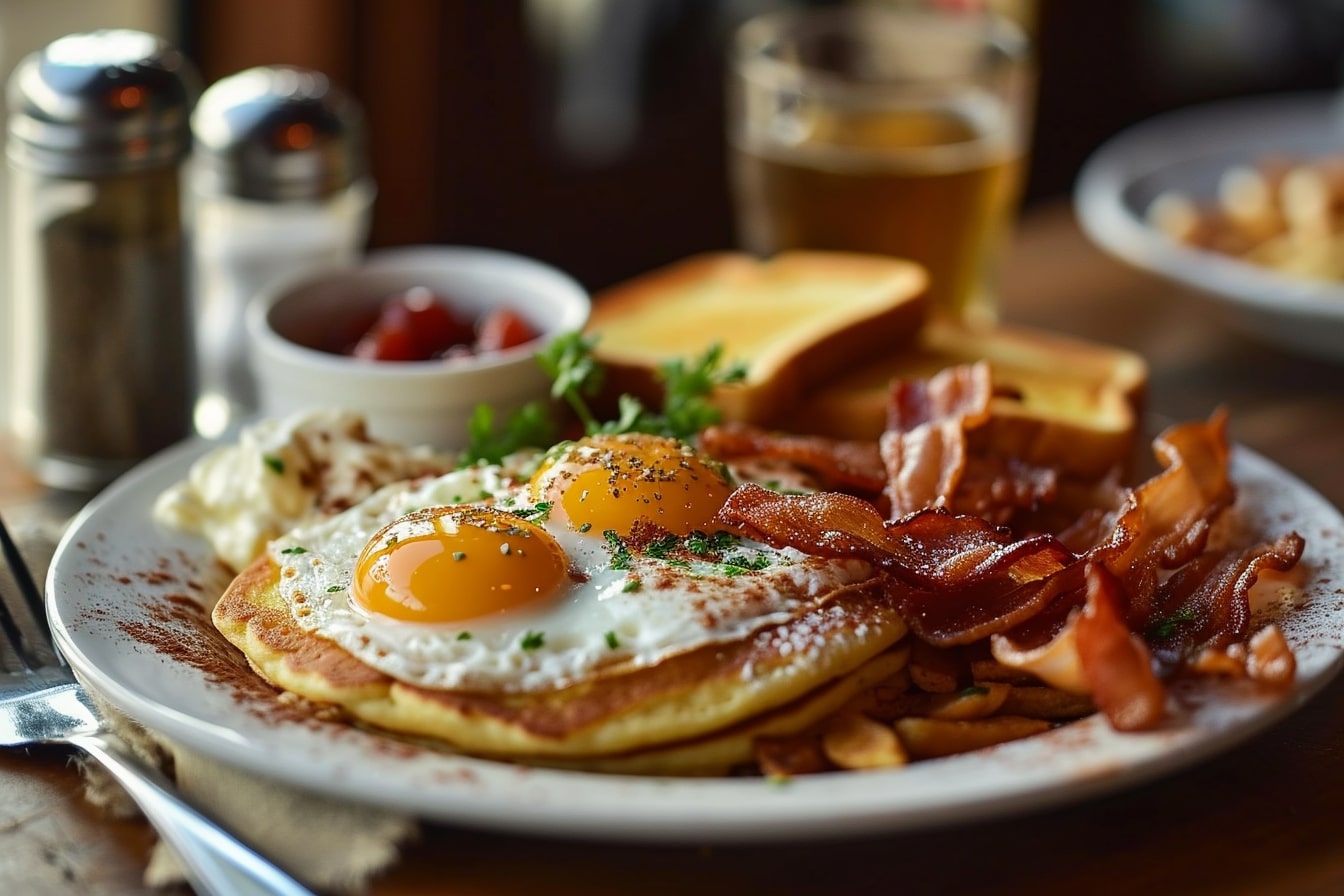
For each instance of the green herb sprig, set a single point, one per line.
(576, 378)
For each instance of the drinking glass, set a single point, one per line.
(892, 131)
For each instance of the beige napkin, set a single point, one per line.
(328, 844)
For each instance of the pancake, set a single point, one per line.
(605, 720)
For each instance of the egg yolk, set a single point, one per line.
(447, 564)
(609, 482)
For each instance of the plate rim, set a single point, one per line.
(517, 799)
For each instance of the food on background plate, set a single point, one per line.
(1282, 213)
(675, 593)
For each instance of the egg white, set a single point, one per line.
(640, 614)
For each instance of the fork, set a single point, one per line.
(41, 702)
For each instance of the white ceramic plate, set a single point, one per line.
(120, 584)
(1187, 151)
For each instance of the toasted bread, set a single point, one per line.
(799, 318)
(1059, 401)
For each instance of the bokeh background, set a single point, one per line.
(589, 132)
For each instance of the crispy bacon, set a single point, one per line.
(1114, 659)
(924, 446)
(958, 579)
(929, 457)
(1165, 522)
(851, 466)
(1206, 604)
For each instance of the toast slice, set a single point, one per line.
(1060, 401)
(799, 318)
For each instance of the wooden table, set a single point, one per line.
(1262, 819)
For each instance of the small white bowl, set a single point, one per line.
(410, 402)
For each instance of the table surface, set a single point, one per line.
(1262, 818)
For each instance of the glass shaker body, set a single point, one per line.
(239, 247)
(280, 186)
(100, 345)
(102, 368)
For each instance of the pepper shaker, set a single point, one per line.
(279, 186)
(101, 340)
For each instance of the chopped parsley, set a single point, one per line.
(662, 546)
(274, 463)
(576, 378)
(332, 589)
(703, 545)
(459, 556)
(620, 552)
(612, 641)
(541, 512)
(529, 426)
(632, 585)
(1164, 628)
(532, 640)
(296, 549)
(464, 636)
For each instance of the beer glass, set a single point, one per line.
(893, 131)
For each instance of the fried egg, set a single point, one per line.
(475, 580)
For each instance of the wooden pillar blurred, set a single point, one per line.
(385, 54)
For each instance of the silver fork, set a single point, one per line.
(42, 703)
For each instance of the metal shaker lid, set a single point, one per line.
(104, 102)
(277, 133)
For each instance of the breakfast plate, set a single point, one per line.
(1186, 151)
(126, 598)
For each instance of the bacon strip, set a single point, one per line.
(838, 464)
(1206, 604)
(1116, 662)
(959, 578)
(924, 446)
(1165, 522)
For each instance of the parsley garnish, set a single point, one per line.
(1162, 629)
(632, 584)
(332, 589)
(274, 463)
(620, 553)
(295, 550)
(702, 545)
(541, 512)
(464, 636)
(662, 547)
(612, 641)
(532, 640)
(576, 378)
(530, 425)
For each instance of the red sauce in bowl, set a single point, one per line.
(420, 325)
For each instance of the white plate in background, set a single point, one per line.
(1187, 151)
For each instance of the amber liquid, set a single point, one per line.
(926, 184)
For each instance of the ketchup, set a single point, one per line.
(420, 325)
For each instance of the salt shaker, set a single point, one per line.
(280, 186)
(101, 341)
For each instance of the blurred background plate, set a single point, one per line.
(1186, 151)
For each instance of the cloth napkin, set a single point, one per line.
(328, 844)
